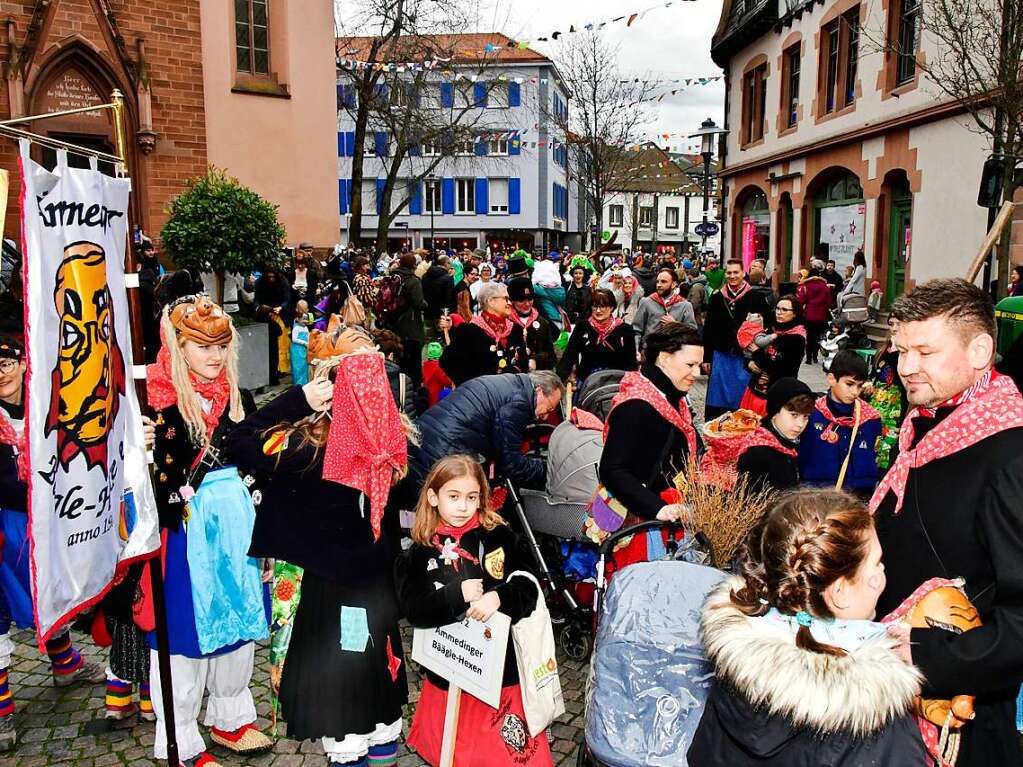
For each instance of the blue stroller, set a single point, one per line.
(649, 679)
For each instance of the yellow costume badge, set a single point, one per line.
(493, 563)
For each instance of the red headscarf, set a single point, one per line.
(719, 463)
(162, 394)
(990, 406)
(366, 443)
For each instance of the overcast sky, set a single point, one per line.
(668, 43)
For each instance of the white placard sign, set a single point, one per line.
(469, 654)
(842, 227)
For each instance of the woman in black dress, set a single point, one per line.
(344, 677)
(603, 342)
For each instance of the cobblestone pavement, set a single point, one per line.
(55, 726)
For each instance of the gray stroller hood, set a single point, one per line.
(572, 461)
(598, 390)
(651, 678)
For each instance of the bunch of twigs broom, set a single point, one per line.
(725, 516)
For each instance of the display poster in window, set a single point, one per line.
(842, 229)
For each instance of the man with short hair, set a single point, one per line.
(833, 278)
(722, 357)
(951, 505)
(488, 416)
(664, 306)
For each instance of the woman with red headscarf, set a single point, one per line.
(331, 450)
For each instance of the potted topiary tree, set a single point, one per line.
(219, 226)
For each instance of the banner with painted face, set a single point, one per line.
(91, 505)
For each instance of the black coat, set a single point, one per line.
(578, 302)
(584, 355)
(438, 291)
(426, 606)
(779, 360)
(643, 451)
(472, 353)
(302, 518)
(723, 320)
(174, 454)
(487, 416)
(962, 515)
(534, 342)
(774, 704)
(647, 278)
(408, 323)
(767, 467)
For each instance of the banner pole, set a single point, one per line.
(447, 748)
(156, 563)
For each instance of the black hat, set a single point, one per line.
(783, 391)
(11, 348)
(517, 265)
(520, 289)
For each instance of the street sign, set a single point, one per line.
(401, 224)
(706, 230)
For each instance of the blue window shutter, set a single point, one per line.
(381, 143)
(415, 205)
(412, 94)
(480, 94)
(515, 145)
(350, 144)
(482, 196)
(380, 192)
(447, 195)
(514, 195)
(413, 149)
(480, 146)
(514, 95)
(340, 143)
(380, 93)
(340, 96)
(447, 94)
(342, 195)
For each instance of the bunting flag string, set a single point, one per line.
(490, 48)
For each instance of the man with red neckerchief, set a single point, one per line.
(951, 506)
(722, 357)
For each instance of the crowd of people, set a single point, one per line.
(366, 492)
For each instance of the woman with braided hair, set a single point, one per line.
(803, 674)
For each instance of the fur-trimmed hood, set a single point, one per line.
(858, 694)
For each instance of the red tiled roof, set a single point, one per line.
(461, 48)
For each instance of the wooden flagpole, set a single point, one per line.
(156, 563)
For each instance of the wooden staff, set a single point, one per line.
(447, 749)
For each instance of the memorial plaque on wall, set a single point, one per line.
(70, 90)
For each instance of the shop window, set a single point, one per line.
(755, 237)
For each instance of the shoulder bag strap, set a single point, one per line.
(852, 445)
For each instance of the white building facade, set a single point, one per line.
(655, 221)
(838, 143)
(508, 187)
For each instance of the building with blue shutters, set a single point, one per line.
(506, 185)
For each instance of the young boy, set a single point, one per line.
(826, 445)
(772, 459)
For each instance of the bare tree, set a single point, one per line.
(977, 60)
(400, 100)
(607, 116)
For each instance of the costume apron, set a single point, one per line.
(728, 380)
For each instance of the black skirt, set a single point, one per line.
(330, 692)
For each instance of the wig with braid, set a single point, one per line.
(809, 540)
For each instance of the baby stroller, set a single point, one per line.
(649, 679)
(849, 319)
(552, 519)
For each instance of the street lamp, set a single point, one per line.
(708, 133)
(431, 185)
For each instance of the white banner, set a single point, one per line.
(469, 654)
(842, 227)
(91, 504)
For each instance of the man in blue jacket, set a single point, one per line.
(825, 447)
(488, 416)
